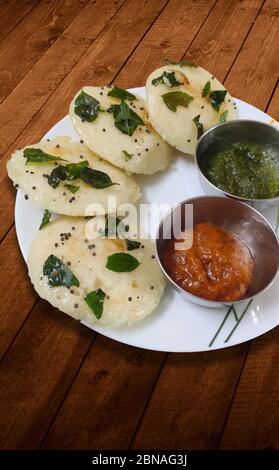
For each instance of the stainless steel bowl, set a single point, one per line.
(219, 137)
(241, 219)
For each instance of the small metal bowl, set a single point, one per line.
(219, 137)
(252, 228)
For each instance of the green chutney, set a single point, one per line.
(245, 170)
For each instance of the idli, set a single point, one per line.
(114, 123)
(66, 177)
(110, 282)
(183, 101)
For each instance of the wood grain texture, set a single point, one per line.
(7, 208)
(34, 420)
(149, 380)
(100, 63)
(84, 434)
(12, 12)
(38, 84)
(60, 387)
(253, 421)
(273, 108)
(208, 428)
(106, 399)
(32, 37)
(17, 294)
(254, 75)
(12, 323)
(222, 35)
(186, 410)
(36, 373)
(167, 38)
(207, 433)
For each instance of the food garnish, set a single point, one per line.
(122, 262)
(95, 301)
(121, 94)
(45, 219)
(125, 119)
(167, 78)
(34, 155)
(86, 107)
(58, 273)
(173, 99)
(199, 125)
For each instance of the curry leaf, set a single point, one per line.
(95, 301)
(45, 219)
(183, 63)
(174, 99)
(122, 94)
(224, 116)
(72, 187)
(58, 273)
(86, 107)
(217, 98)
(132, 244)
(125, 119)
(199, 125)
(168, 78)
(122, 262)
(206, 89)
(73, 169)
(127, 155)
(96, 178)
(33, 155)
(58, 174)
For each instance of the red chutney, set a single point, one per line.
(218, 266)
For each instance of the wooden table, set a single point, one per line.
(62, 386)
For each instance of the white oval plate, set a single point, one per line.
(176, 325)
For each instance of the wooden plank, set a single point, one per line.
(24, 436)
(220, 46)
(14, 323)
(190, 398)
(12, 13)
(169, 37)
(17, 294)
(52, 335)
(257, 395)
(149, 60)
(87, 33)
(36, 374)
(215, 44)
(81, 38)
(273, 108)
(224, 366)
(15, 416)
(80, 34)
(253, 421)
(206, 433)
(114, 383)
(255, 73)
(32, 37)
(127, 15)
(99, 64)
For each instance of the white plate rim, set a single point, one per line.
(111, 333)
